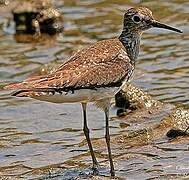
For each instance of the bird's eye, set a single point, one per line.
(136, 18)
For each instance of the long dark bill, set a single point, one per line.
(164, 26)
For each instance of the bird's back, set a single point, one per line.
(104, 64)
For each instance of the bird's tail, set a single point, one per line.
(23, 90)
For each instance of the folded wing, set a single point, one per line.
(103, 64)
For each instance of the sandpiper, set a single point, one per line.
(94, 74)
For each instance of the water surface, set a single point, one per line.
(38, 138)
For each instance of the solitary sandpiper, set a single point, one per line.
(94, 74)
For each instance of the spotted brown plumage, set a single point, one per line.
(95, 74)
(104, 64)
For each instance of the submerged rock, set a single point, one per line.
(36, 38)
(35, 16)
(142, 106)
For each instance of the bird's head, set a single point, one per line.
(141, 19)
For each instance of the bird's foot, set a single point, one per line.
(112, 173)
(95, 169)
(187, 129)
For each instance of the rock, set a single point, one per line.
(132, 97)
(173, 133)
(143, 107)
(37, 16)
(4, 2)
(35, 38)
(50, 21)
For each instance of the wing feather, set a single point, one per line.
(103, 64)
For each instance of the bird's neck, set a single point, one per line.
(131, 42)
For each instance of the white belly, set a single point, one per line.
(81, 95)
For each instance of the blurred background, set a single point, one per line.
(37, 136)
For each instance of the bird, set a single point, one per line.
(95, 73)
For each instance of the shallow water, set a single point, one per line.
(38, 139)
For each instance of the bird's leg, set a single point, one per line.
(186, 129)
(107, 136)
(86, 132)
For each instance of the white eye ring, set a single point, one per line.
(136, 19)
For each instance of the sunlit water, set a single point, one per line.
(37, 136)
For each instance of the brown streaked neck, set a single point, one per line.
(131, 42)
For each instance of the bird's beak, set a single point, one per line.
(157, 24)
